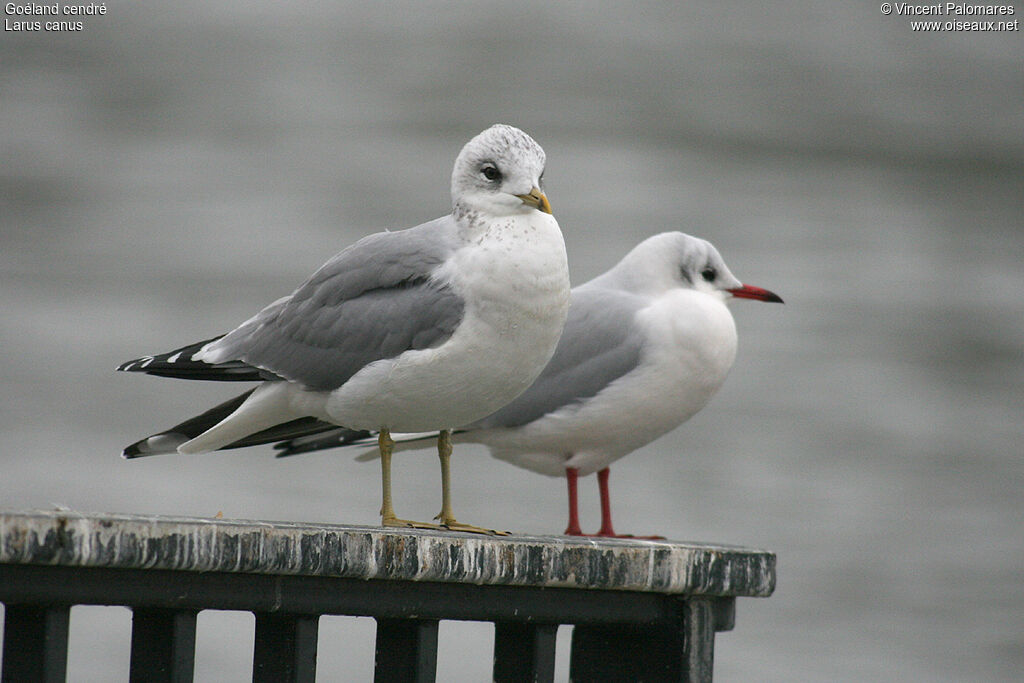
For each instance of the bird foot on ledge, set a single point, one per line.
(395, 522)
(453, 525)
(604, 533)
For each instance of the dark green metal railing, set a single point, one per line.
(640, 609)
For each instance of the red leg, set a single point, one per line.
(571, 474)
(606, 511)
(606, 505)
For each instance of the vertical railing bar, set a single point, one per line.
(524, 652)
(406, 651)
(35, 643)
(163, 645)
(285, 648)
(699, 639)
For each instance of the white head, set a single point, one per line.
(499, 172)
(677, 260)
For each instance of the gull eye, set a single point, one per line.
(709, 274)
(491, 172)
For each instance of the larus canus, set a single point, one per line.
(423, 329)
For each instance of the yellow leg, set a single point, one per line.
(444, 453)
(446, 516)
(387, 510)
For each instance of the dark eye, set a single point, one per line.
(491, 172)
(709, 274)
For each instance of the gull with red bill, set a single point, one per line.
(645, 347)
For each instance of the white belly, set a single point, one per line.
(516, 286)
(681, 369)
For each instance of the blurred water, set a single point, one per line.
(173, 167)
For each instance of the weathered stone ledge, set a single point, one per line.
(79, 539)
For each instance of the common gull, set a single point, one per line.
(422, 329)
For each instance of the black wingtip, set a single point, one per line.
(285, 451)
(336, 438)
(180, 364)
(135, 364)
(289, 448)
(141, 449)
(158, 444)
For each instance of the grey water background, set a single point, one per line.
(173, 167)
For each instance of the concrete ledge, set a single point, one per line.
(76, 539)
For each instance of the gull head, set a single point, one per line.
(499, 173)
(677, 260)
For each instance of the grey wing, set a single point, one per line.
(374, 300)
(599, 344)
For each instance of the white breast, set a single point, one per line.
(690, 347)
(515, 282)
